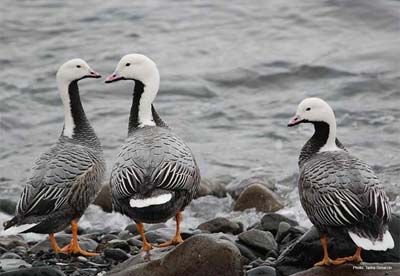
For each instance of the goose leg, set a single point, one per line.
(74, 247)
(146, 246)
(53, 241)
(356, 258)
(177, 239)
(326, 260)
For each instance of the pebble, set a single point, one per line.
(10, 255)
(12, 264)
(270, 222)
(221, 225)
(283, 228)
(116, 254)
(259, 239)
(124, 235)
(81, 259)
(132, 228)
(119, 244)
(135, 242)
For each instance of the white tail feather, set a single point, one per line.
(18, 229)
(367, 244)
(157, 200)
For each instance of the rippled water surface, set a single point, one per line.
(231, 77)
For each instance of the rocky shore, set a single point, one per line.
(252, 240)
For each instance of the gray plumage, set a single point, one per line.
(338, 190)
(152, 161)
(65, 179)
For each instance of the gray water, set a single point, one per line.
(231, 77)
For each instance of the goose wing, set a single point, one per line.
(163, 162)
(338, 189)
(53, 177)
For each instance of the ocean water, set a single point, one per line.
(232, 75)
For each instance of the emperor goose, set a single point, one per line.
(338, 191)
(155, 175)
(66, 178)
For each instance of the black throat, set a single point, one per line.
(134, 115)
(316, 142)
(82, 129)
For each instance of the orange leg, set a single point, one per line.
(146, 246)
(74, 247)
(355, 258)
(177, 239)
(326, 260)
(53, 241)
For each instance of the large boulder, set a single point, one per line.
(237, 186)
(259, 197)
(362, 269)
(307, 250)
(199, 255)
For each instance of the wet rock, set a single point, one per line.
(108, 237)
(364, 269)
(259, 239)
(116, 254)
(307, 250)
(221, 225)
(259, 197)
(283, 228)
(135, 242)
(187, 233)
(209, 188)
(10, 242)
(270, 222)
(262, 271)
(236, 187)
(198, 256)
(103, 199)
(132, 228)
(82, 259)
(7, 206)
(119, 244)
(160, 234)
(62, 240)
(124, 235)
(245, 251)
(156, 226)
(35, 271)
(12, 264)
(10, 255)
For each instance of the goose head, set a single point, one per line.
(135, 67)
(75, 70)
(312, 110)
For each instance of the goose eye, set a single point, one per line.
(128, 64)
(308, 108)
(78, 66)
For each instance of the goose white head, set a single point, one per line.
(313, 110)
(72, 70)
(75, 70)
(139, 68)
